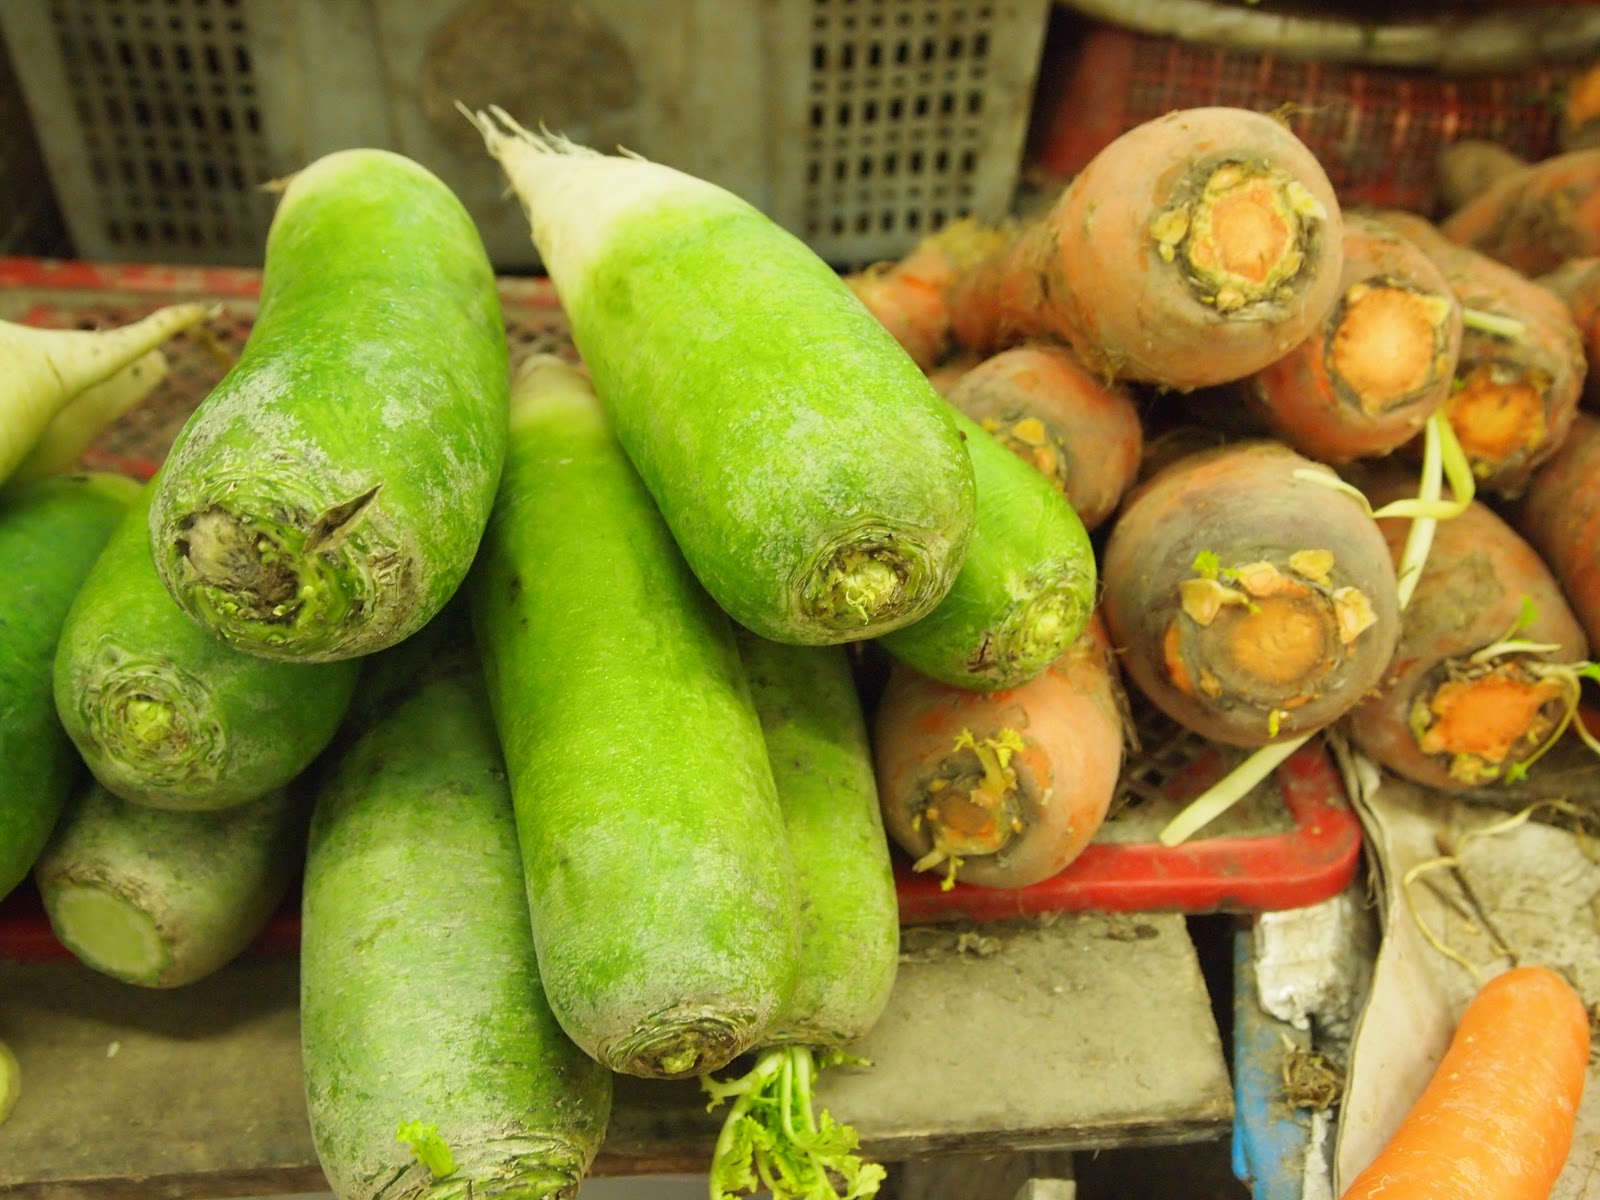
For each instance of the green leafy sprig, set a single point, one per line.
(773, 1138)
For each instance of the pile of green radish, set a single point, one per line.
(538, 674)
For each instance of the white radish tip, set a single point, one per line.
(498, 126)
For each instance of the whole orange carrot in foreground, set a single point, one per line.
(1496, 1120)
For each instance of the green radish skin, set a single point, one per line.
(1027, 586)
(164, 713)
(161, 898)
(658, 872)
(50, 534)
(420, 992)
(328, 496)
(816, 738)
(810, 473)
(45, 370)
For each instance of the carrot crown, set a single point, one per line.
(1242, 233)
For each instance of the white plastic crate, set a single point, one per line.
(858, 124)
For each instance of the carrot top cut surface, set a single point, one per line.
(1196, 249)
(1382, 360)
(1251, 601)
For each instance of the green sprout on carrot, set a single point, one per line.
(1494, 324)
(773, 1138)
(1212, 587)
(1567, 676)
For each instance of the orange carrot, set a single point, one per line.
(1367, 379)
(1521, 368)
(1577, 282)
(1483, 678)
(1496, 1119)
(1535, 218)
(1249, 598)
(1464, 170)
(1580, 111)
(1559, 515)
(1082, 433)
(1194, 249)
(909, 297)
(1001, 789)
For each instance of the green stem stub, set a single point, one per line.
(151, 721)
(866, 581)
(679, 1043)
(773, 1139)
(1037, 630)
(863, 584)
(283, 582)
(430, 1149)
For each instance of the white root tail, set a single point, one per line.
(499, 127)
(45, 370)
(75, 427)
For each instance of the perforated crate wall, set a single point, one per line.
(914, 113)
(148, 116)
(858, 124)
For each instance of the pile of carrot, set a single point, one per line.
(794, 575)
(1213, 365)
(1364, 495)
